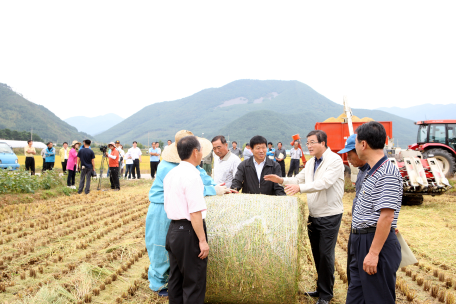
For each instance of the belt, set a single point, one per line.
(367, 230)
(184, 221)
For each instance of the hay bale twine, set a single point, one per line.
(255, 244)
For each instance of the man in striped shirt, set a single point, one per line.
(375, 250)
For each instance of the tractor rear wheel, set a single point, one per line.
(414, 200)
(444, 158)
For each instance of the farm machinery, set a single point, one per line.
(423, 166)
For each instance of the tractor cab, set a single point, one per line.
(437, 138)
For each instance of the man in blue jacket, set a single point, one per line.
(49, 157)
(157, 222)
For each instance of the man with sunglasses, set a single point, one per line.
(323, 181)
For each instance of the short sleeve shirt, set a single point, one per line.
(86, 156)
(381, 189)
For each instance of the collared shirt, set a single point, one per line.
(247, 154)
(280, 151)
(156, 193)
(259, 167)
(154, 158)
(135, 153)
(27, 148)
(64, 153)
(225, 169)
(184, 192)
(236, 152)
(270, 153)
(325, 188)
(295, 153)
(359, 182)
(317, 163)
(381, 189)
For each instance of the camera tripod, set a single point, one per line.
(103, 160)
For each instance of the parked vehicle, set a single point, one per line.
(437, 139)
(8, 159)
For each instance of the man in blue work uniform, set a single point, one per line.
(375, 251)
(157, 222)
(363, 168)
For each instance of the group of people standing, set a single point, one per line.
(179, 260)
(278, 155)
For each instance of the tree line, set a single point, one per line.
(8, 134)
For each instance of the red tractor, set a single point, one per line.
(437, 139)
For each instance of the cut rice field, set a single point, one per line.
(90, 249)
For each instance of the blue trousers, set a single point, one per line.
(380, 287)
(157, 224)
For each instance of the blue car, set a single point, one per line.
(8, 160)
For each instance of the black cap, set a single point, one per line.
(117, 142)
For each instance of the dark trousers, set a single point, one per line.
(153, 168)
(114, 177)
(323, 236)
(30, 165)
(348, 258)
(282, 167)
(128, 170)
(71, 177)
(294, 167)
(64, 165)
(86, 176)
(135, 169)
(48, 166)
(380, 287)
(187, 274)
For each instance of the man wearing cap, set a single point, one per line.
(363, 168)
(375, 250)
(157, 222)
(113, 156)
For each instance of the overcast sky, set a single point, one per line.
(96, 57)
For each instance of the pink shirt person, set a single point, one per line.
(72, 159)
(184, 192)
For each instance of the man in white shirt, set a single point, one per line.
(186, 208)
(225, 166)
(295, 155)
(323, 181)
(135, 154)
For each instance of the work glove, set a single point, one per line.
(221, 190)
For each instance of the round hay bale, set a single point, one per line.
(255, 244)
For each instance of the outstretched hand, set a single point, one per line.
(273, 178)
(292, 189)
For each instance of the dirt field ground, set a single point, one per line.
(82, 249)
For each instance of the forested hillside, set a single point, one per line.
(17, 113)
(242, 109)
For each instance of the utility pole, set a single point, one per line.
(31, 134)
(148, 144)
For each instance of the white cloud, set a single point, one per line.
(94, 57)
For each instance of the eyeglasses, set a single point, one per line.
(312, 143)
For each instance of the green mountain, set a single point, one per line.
(17, 113)
(242, 109)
